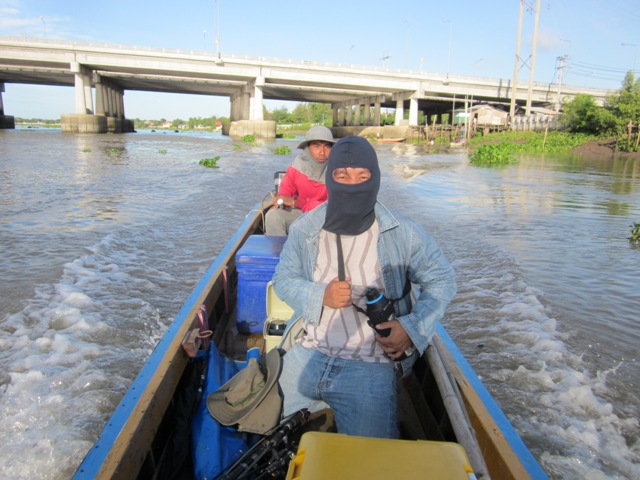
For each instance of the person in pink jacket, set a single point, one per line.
(302, 188)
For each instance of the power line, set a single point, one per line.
(599, 67)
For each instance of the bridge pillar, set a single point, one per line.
(399, 112)
(367, 114)
(109, 112)
(84, 102)
(6, 121)
(358, 109)
(100, 98)
(349, 114)
(376, 113)
(413, 112)
(257, 109)
(112, 102)
(234, 112)
(341, 116)
(247, 113)
(83, 120)
(335, 108)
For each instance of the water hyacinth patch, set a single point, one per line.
(493, 155)
(635, 233)
(210, 162)
(282, 150)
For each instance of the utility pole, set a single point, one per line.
(217, 37)
(533, 56)
(560, 69)
(516, 68)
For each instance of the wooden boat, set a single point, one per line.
(443, 400)
(391, 140)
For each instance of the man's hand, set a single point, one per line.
(337, 294)
(286, 201)
(397, 342)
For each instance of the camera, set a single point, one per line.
(379, 309)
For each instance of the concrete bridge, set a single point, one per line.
(106, 72)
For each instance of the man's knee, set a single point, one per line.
(275, 223)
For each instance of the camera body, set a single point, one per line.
(379, 310)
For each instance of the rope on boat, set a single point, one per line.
(457, 412)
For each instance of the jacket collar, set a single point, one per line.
(311, 223)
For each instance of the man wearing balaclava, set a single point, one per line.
(333, 256)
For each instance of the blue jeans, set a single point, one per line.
(362, 395)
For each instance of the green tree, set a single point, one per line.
(625, 103)
(387, 118)
(302, 113)
(583, 115)
(320, 113)
(624, 106)
(281, 115)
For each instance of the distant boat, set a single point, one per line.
(391, 140)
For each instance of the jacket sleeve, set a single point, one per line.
(288, 184)
(430, 270)
(293, 280)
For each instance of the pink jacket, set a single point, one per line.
(310, 193)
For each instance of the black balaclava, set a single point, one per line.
(350, 208)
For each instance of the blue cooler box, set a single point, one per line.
(256, 263)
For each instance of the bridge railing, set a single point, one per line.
(535, 123)
(228, 57)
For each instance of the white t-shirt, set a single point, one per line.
(344, 332)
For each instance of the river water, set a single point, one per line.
(104, 236)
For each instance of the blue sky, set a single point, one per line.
(469, 37)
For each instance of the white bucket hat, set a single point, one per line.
(318, 133)
(251, 398)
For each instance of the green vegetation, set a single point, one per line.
(619, 117)
(86, 149)
(535, 142)
(38, 122)
(249, 139)
(162, 152)
(194, 123)
(635, 233)
(311, 113)
(210, 162)
(115, 151)
(501, 148)
(282, 150)
(493, 155)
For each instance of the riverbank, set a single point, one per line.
(602, 148)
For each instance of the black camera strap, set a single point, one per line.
(341, 274)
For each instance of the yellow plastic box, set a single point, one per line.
(276, 308)
(323, 456)
(277, 313)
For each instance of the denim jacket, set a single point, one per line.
(405, 252)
